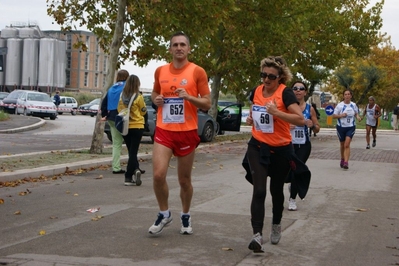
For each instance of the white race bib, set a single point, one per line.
(263, 121)
(173, 111)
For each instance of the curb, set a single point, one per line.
(40, 123)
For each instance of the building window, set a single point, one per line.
(104, 77)
(68, 77)
(69, 42)
(97, 46)
(87, 61)
(85, 80)
(96, 81)
(105, 64)
(68, 54)
(88, 43)
(97, 64)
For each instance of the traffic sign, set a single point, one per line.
(329, 110)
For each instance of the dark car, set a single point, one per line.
(86, 108)
(208, 128)
(229, 116)
(2, 96)
(10, 102)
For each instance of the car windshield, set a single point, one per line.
(95, 101)
(14, 94)
(40, 97)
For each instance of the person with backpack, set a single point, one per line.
(109, 106)
(57, 99)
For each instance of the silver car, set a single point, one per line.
(36, 104)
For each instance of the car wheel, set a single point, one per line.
(53, 117)
(60, 113)
(208, 132)
(73, 112)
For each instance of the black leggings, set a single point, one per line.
(277, 170)
(302, 151)
(132, 141)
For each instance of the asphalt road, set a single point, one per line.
(348, 217)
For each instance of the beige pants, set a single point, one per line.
(395, 122)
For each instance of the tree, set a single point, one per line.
(229, 38)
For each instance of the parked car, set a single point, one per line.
(2, 96)
(10, 101)
(208, 128)
(94, 109)
(84, 109)
(229, 116)
(67, 104)
(36, 104)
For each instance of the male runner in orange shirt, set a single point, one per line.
(180, 88)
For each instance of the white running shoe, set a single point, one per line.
(186, 228)
(256, 244)
(275, 235)
(160, 223)
(292, 205)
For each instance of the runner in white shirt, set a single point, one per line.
(346, 112)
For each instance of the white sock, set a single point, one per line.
(182, 213)
(165, 213)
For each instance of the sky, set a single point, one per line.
(35, 12)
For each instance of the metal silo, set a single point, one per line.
(29, 32)
(9, 33)
(13, 63)
(61, 64)
(46, 63)
(30, 63)
(3, 43)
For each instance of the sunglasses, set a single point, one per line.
(269, 76)
(298, 88)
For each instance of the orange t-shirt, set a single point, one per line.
(281, 135)
(177, 114)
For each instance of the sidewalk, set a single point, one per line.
(348, 217)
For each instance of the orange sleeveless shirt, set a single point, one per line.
(281, 135)
(194, 80)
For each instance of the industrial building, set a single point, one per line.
(48, 61)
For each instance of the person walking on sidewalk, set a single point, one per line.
(372, 112)
(176, 89)
(346, 112)
(57, 99)
(300, 138)
(109, 110)
(395, 116)
(273, 108)
(136, 127)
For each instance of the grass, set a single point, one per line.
(13, 163)
(4, 116)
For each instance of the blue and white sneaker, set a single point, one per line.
(160, 223)
(186, 228)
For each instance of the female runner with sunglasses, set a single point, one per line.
(273, 108)
(300, 136)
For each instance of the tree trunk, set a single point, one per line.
(98, 133)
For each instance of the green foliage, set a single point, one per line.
(80, 97)
(4, 116)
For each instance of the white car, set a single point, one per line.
(36, 104)
(68, 104)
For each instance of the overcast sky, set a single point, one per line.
(34, 12)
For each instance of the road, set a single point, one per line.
(348, 218)
(66, 132)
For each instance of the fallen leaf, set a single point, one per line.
(227, 249)
(17, 212)
(361, 210)
(99, 177)
(1, 201)
(42, 232)
(76, 194)
(53, 217)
